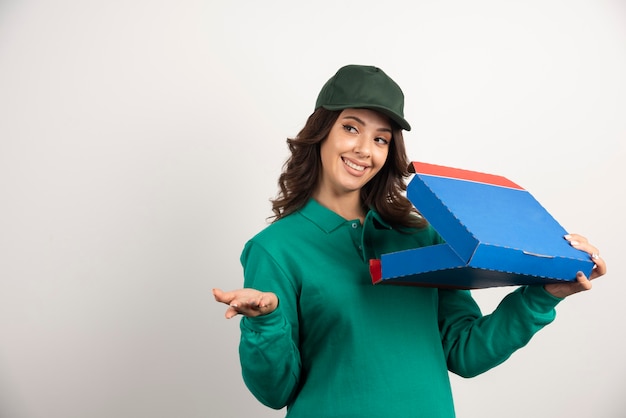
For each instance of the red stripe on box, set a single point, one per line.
(376, 270)
(460, 174)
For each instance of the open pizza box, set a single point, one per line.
(495, 232)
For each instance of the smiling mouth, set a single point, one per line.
(353, 165)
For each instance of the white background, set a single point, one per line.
(141, 141)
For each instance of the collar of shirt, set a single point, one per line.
(328, 221)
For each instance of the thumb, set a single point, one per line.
(583, 281)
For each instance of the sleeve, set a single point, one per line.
(268, 348)
(474, 343)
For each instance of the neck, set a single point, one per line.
(348, 206)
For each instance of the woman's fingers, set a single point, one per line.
(224, 297)
(581, 243)
(248, 302)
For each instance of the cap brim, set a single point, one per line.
(392, 115)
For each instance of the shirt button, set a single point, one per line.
(354, 225)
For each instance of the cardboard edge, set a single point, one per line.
(448, 226)
(418, 167)
(412, 260)
(473, 279)
(582, 263)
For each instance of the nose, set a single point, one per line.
(362, 147)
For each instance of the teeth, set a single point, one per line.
(354, 166)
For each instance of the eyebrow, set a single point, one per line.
(363, 123)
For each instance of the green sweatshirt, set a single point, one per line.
(338, 346)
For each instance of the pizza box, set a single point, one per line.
(496, 234)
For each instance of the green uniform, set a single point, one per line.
(338, 346)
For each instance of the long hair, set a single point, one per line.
(385, 192)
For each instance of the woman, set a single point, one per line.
(316, 335)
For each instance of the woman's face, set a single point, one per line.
(354, 151)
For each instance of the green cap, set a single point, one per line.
(367, 87)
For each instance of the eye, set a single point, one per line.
(381, 140)
(350, 128)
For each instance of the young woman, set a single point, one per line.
(316, 335)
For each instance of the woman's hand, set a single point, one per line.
(247, 302)
(562, 290)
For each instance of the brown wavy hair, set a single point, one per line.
(385, 192)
